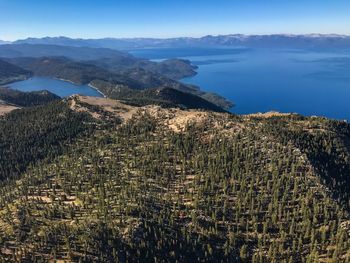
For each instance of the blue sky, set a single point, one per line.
(170, 18)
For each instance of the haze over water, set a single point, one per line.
(260, 80)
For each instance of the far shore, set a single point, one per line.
(65, 80)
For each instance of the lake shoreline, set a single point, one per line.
(262, 80)
(90, 85)
(93, 87)
(60, 87)
(22, 78)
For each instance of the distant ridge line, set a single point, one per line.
(233, 40)
(320, 35)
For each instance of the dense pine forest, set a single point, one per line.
(32, 134)
(27, 99)
(99, 181)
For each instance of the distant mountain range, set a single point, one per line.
(4, 42)
(234, 40)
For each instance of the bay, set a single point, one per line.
(308, 82)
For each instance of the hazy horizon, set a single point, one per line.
(180, 36)
(159, 19)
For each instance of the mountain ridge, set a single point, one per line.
(273, 40)
(148, 183)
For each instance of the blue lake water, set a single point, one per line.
(260, 80)
(58, 87)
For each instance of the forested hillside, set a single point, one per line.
(106, 58)
(171, 185)
(171, 68)
(33, 134)
(165, 97)
(101, 67)
(111, 80)
(10, 73)
(27, 99)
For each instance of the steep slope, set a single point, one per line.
(326, 145)
(173, 185)
(36, 133)
(27, 99)
(10, 73)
